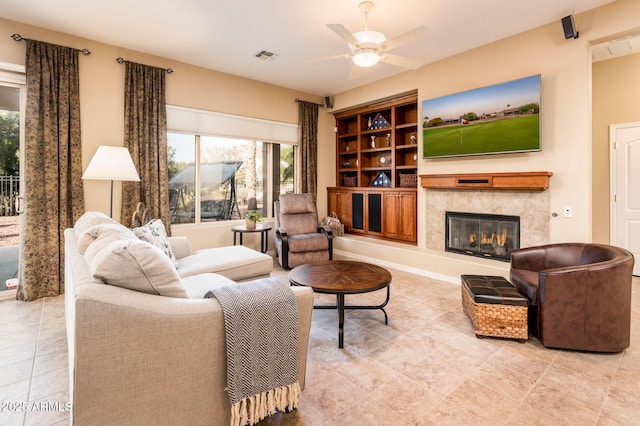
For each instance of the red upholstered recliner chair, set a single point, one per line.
(299, 238)
(579, 294)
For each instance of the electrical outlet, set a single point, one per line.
(568, 211)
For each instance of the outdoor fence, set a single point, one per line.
(9, 190)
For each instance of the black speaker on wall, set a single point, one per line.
(569, 27)
(327, 102)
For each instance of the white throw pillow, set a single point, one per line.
(91, 234)
(86, 222)
(139, 266)
(104, 238)
(155, 233)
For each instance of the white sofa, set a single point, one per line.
(138, 358)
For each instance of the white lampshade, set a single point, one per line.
(111, 163)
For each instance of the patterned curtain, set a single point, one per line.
(308, 123)
(53, 166)
(145, 135)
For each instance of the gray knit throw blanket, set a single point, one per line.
(261, 326)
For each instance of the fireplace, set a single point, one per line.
(483, 235)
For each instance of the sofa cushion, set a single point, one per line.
(94, 232)
(308, 242)
(297, 203)
(106, 236)
(85, 223)
(154, 232)
(299, 223)
(137, 265)
(198, 285)
(234, 262)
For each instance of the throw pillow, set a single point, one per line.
(86, 222)
(106, 236)
(139, 266)
(155, 233)
(90, 235)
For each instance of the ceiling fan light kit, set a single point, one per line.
(370, 47)
(367, 36)
(365, 57)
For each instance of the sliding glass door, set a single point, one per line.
(12, 95)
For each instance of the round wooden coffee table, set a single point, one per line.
(342, 277)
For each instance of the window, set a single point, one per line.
(215, 177)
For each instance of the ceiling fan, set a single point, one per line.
(370, 47)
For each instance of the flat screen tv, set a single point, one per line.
(498, 119)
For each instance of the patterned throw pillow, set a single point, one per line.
(154, 233)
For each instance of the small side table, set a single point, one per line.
(261, 228)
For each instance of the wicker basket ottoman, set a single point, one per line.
(494, 307)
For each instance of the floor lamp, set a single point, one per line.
(111, 163)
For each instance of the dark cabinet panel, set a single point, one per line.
(357, 211)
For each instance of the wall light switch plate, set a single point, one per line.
(568, 211)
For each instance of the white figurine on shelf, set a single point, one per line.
(413, 138)
(373, 141)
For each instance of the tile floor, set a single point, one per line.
(424, 368)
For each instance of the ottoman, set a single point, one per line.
(494, 307)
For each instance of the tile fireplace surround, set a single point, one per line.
(533, 207)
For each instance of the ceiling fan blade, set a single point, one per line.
(344, 34)
(327, 58)
(355, 73)
(406, 38)
(401, 61)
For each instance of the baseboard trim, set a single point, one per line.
(416, 271)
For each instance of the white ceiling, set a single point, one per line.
(225, 35)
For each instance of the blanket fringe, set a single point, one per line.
(251, 410)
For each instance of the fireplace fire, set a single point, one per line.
(482, 235)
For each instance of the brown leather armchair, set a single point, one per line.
(299, 238)
(579, 294)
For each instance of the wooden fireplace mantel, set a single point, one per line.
(524, 181)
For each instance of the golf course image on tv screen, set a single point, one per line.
(503, 118)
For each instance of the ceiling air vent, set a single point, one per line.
(265, 55)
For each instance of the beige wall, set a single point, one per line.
(565, 66)
(616, 100)
(102, 109)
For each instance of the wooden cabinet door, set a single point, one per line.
(340, 202)
(366, 212)
(400, 216)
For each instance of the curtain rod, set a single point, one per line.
(18, 37)
(301, 100)
(122, 61)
